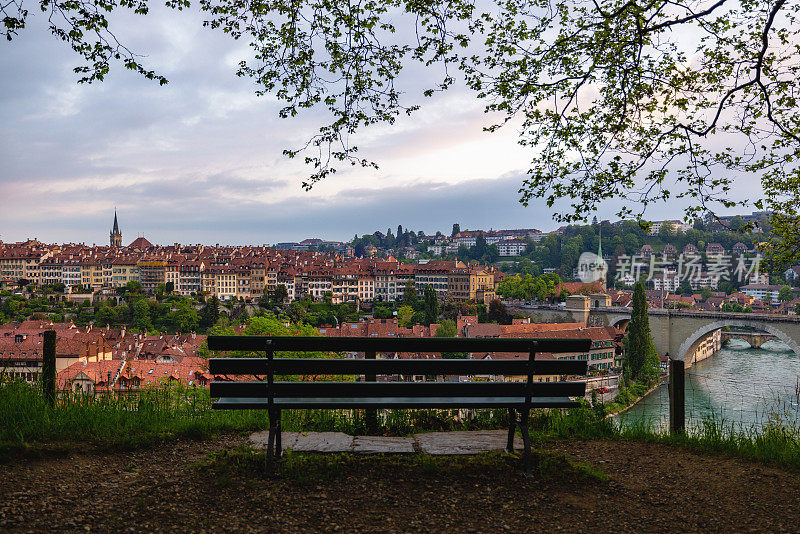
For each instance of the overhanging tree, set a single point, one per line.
(640, 101)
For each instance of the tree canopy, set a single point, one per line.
(636, 101)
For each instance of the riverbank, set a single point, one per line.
(626, 407)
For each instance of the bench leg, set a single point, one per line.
(271, 438)
(526, 440)
(278, 447)
(512, 428)
(274, 434)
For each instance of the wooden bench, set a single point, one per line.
(273, 395)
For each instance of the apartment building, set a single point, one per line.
(50, 271)
(258, 279)
(344, 284)
(91, 273)
(21, 264)
(667, 282)
(765, 292)
(220, 281)
(481, 285)
(152, 273)
(386, 286)
(511, 247)
(243, 279)
(458, 284)
(676, 225)
(601, 355)
(436, 275)
(71, 272)
(271, 281)
(172, 273)
(286, 278)
(317, 282)
(366, 287)
(190, 277)
(123, 270)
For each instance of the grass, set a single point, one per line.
(308, 468)
(775, 443)
(115, 422)
(627, 396)
(30, 428)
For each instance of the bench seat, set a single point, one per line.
(257, 403)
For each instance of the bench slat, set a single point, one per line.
(397, 389)
(332, 366)
(395, 344)
(393, 403)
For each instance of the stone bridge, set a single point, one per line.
(755, 339)
(676, 333)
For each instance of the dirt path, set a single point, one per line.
(653, 488)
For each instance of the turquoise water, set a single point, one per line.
(738, 386)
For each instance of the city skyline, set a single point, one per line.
(126, 238)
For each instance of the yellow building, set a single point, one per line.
(92, 273)
(481, 285)
(366, 287)
(124, 270)
(223, 282)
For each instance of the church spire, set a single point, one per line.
(115, 236)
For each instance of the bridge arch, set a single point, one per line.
(716, 325)
(619, 321)
(622, 324)
(754, 339)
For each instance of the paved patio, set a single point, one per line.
(436, 443)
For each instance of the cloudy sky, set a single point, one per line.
(199, 160)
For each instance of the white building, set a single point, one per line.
(792, 273)
(678, 226)
(704, 280)
(511, 247)
(436, 250)
(765, 292)
(667, 282)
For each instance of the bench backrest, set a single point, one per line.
(268, 367)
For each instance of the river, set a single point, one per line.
(738, 386)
